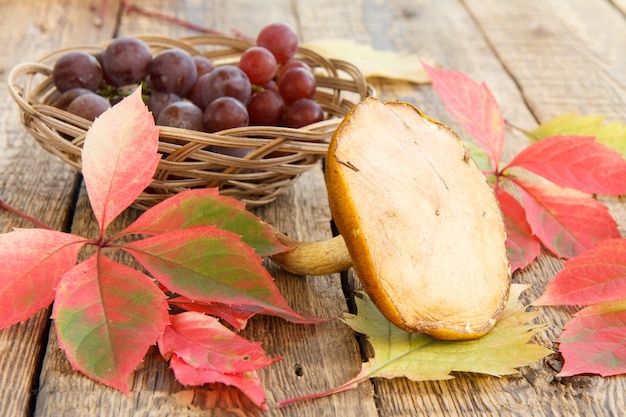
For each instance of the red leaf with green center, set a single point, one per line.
(247, 382)
(568, 222)
(596, 276)
(522, 246)
(473, 105)
(204, 343)
(33, 261)
(107, 315)
(119, 157)
(593, 341)
(209, 264)
(206, 207)
(576, 161)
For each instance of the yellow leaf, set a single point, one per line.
(371, 62)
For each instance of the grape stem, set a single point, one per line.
(23, 215)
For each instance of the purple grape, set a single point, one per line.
(173, 71)
(126, 61)
(225, 113)
(227, 81)
(89, 106)
(77, 69)
(266, 108)
(182, 114)
(303, 112)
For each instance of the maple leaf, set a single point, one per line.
(611, 134)
(593, 341)
(419, 357)
(547, 213)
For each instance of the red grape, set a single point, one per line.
(173, 71)
(77, 69)
(295, 84)
(259, 65)
(203, 64)
(303, 112)
(66, 98)
(225, 113)
(181, 114)
(280, 39)
(126, 61)
(89, 106)
(292, 63)
(196, 93)
(160, 100)
(266, 108)
(227, 81)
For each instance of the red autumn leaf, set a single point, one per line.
(210, 265)
(596, 276)
(568, 222)
(593, 341)
(119, 157)
(33, 261)
(473, 105)
(107, 315)
(204, 343)
(247, 382)
(236, 316)
(522, 246)
(576, 161)
(206, 207)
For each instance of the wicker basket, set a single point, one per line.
(278, 155)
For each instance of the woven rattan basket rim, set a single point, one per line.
(278, 155)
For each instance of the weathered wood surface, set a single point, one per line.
(541, 58)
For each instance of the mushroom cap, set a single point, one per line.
(421, 223)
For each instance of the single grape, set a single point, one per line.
(225, 113)
(77, 69)
(66, 98)
(227, 81)
(173, 71)
(303, 112)
(292, 63)
(259, 64)
(266, 108)
(126, 61)
(160, 100)
(182, 114)
(203, 64)
(295, 84)
(281, 41)
(196, 93)
(89, 106)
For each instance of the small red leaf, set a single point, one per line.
(33, 261)
(210, 265)
(247, 382)
(119, 157)
(107, 315)
(593, 341)
(568, 222)
(596, 276)
(203, 342)
(576, 161)
(473, 105)
(522, 246)
(206, 207)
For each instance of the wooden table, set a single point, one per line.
(541, 59)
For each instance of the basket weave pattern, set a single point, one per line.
(278, 155)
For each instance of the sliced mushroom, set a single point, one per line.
(422, 227)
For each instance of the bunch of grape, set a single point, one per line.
(268, 87)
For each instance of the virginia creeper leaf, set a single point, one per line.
(236, 316)
(119, 157)
(576, 161)
(107, 315)
(33, 261)
(593, 341)
(247, 382)
(474, 107)
(568, 222)
(522, 246)
(206, 207)
(204, 343)
(210, 265)
(611, 134)
(419, 357)
(596, 276)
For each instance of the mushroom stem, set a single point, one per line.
(313, 258)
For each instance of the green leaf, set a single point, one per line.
(612, 134)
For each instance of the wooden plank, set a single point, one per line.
(30, 178)
(324, 355)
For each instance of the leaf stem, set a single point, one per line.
(23, 215)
